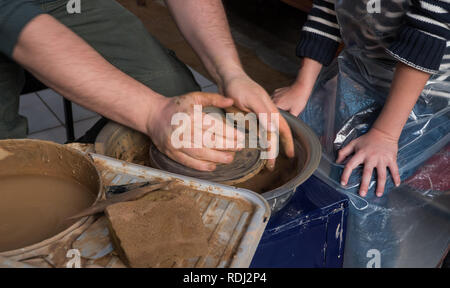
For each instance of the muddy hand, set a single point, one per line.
(251, 97)
(179, 142)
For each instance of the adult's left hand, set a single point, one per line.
(248, 96)
(375, 149)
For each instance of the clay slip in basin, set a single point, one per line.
(43, 184)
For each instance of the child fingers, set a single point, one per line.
(352, 164)
(346, 151)
(365, 181)
(381, 181)
(393, 167)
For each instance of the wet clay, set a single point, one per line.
(285, 170)
(246, 164)
(35, 207)
(158, 230)
(130, 146)
(264, 180)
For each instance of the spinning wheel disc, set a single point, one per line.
(247, 163)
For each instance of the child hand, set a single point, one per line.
(374, 149)
(291, 99)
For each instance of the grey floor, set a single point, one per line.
(45, 113)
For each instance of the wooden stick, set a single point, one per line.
(131, 195)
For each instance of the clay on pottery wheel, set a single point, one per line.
(42, 184)
(245, 165)
(123, 143)
(285, 170)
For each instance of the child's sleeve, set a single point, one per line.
(320, 35)
(14, 15)
(422, 41)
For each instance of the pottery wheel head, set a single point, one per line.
(246, 164)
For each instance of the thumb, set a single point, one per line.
(213, 99)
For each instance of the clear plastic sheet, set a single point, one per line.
(410, 225)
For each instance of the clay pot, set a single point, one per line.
(42, 158)
(123, 143)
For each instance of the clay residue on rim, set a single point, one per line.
(42, 184)
(285, 170)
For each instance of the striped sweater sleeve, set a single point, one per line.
(320, 36)
(14, 15)
(421, 42)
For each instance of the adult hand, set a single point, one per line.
(203, 158)
(248, 96)
(375, 149)
(292, 99)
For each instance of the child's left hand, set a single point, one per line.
(375, 149)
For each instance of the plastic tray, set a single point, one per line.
(235, 217)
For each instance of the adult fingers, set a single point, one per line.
(286, 138)
(220, 127)
(212, 99)
(210, 155)
(191, 162)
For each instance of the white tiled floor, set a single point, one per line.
(54, 101)
(45, 113)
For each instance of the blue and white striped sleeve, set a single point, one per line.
(421, 42)
(320, 37)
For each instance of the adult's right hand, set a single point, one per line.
(160, 130)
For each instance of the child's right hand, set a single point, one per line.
(292, 99)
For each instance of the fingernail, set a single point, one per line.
(379, 194)
(211, 167)
(343, 183)
(397, 184)
(363, 193)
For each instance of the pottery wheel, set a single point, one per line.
(247, 163)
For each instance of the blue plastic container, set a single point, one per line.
(308, 232)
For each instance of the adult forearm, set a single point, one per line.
(205, 26)
(406, 87)
(66, 63)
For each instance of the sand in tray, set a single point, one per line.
(157, 231)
